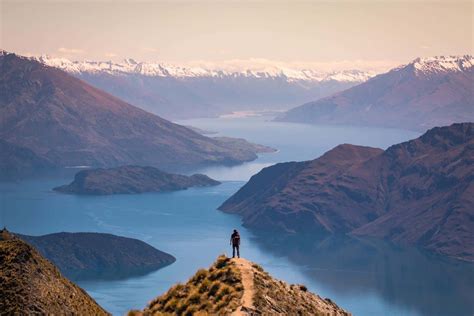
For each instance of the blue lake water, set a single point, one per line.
(364, 277)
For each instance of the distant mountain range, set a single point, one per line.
(49, 118)
(425, 93)
(176, 92)
(130, 66)
(420, 193)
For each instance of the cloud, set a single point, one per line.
(70, 51)
(425, 46)
(110, 55)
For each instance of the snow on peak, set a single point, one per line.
(131, 66)
(442, 64)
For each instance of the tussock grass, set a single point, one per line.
(274, 297)
(216, 291)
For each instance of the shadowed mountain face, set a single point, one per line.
(132, 179)
(97, 255)
(30, 284)
(419, 192)
(423, 94)
(69, 123)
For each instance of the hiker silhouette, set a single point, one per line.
(235, 242)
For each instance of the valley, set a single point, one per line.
(237, 158)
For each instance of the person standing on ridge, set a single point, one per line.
(235, 242)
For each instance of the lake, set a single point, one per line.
(362, 276)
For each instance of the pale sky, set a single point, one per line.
(373, 32)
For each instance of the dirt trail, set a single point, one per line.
(247, 281)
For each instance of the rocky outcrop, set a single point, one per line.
(30, 284)
(425, 93)
(420, 193)
(97, 255)
(238, 287)
(131, 180)
(70, 123)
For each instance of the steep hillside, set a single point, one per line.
(30, 284)
(420, 192)
(425, 93)
(130, 180)
(238, 287)
(17, 161)
(69, 123)
(177, 92)
(84, 255)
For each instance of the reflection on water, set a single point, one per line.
(422, 283)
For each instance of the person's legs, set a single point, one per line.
(238, 251)
(233, 251)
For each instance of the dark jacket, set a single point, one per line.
(235, 239)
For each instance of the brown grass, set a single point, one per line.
(216, 291)
(274, 297)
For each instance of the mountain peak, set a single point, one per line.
(427, 92)
(441, 64)
(238, 287)
(160, 69)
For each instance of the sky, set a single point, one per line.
(336, 34)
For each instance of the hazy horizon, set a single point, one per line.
(368, 35)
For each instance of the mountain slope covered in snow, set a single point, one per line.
(177, 92)
(425, 93)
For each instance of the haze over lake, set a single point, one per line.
(364, 277)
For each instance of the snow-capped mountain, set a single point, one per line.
(130, 66)
(442, 64)
(177, 92)
(425, 93)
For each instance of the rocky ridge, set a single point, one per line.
(31, 285)
(238, 287)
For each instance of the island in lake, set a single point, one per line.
(98, 255)
(131, 180)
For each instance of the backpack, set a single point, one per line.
(236, 239)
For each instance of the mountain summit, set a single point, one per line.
(155, 69)
(425, 93)
(238, 287)
(441, 64)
